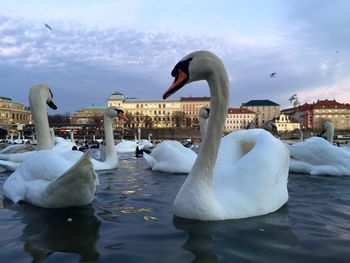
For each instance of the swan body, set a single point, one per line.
(145, 144)
(45, 178)
(240, 180)
(171, 157)
(317, 156)
(126, 147)
(11, 161)
(17, 148)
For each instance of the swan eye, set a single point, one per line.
(51, 93)
(182, 65)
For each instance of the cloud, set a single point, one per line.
(84, 65)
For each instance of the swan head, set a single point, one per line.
(116, 112)
(195, 66)
(43, 91)
(204, 112)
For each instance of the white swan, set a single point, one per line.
(17, 148)
(112, 160)
(318, 155)
(45, 178)
(203, 116)
(171, 156)
(328, 131)
(251, 170)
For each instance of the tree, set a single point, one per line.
(179, 118)
(59, 118)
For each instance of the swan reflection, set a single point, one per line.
(46, 231)
(263, 238)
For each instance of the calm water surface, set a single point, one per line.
(131, 220)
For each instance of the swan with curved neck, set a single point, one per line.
(45, 178)
(328, 131)
(41, 96)
(218, 195)
(112, 160)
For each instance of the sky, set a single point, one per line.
(98, 47)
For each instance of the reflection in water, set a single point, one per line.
(70, 230)
(264, 238)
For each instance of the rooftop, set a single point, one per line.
(95, 107)
(260, 103)
(195, 99)
(239, 111)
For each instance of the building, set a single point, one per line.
(190, 107)
(238, 118)
(265, 110)
(13, 115)
(157, 113)
(89, 115)
(312, 116)
(286, 123)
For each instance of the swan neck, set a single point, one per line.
(41, 122)
(219, 93)
(111, 152)
(202, 127)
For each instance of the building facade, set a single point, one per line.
(13, 115)
(265, 110)
(286, 123)
(312, 116)
(157, 113)
(238, 118)
(89, 115)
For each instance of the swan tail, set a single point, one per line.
(9, 166)
(76, 187)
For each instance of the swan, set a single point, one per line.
(203, 116)
(45, 178)
(17, 148)
(112, 160)
(318, 156)
(251, 167)
(171, 156)
(328, 131)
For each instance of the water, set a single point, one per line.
(131, 221)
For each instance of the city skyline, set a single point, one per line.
(86, 50)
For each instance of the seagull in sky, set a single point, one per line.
(273, 74)
(48, 27)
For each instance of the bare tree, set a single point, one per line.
(179, 118)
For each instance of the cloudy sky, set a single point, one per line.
(97, 47)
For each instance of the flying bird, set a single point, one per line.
(48, 27)
(273, 74)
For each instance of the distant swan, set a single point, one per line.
(318, 155)
(171, 156)
(112, 160)
(251, 168)
(45, 178)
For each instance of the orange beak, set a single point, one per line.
(122, 115)
(177, 84)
